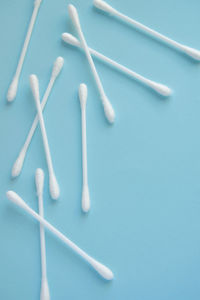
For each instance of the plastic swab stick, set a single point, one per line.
(85, 189)
(53, 185)
(159, 88)
(109, 112)
(102, 5)
(100, 268)
(12, 91)
(17, 167)
(39, 181)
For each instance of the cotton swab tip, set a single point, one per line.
(44, 293)
(83, 94)
(161, 89)
(12, 91)
(70, 39)
(195, 54)
(108, 109)
(12, 196)
(102, 5)
(34, 83)
(16, 170)
(37, 2)
(54, 187)
(85, 199)
(73, 15)
(39, 181)
(57, 66)
(104, 271)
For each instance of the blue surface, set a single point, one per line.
(144, 172)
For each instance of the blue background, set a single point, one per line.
(144, 171)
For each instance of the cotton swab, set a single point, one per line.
(102, 5)
(53, 185)
(85, 188)
(17, 167)
(39, 181)
(159, 88)
(100, 268)
(109, 112)
(12, 91)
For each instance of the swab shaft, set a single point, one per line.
(159, 88)
(42, 238)
(44, 135)
(53, 185)
(27, 39)
(17, 167)
(28, 140)
(108, 110)
(100, 268)
(60, 235)
(119, 66)
(36, 120)
(84, 146)
(147, 29)
(102, 5)
(91, 63)
(85, 188)
(12, 91)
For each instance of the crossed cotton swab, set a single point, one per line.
(53, 185)
(17, 167)
(12, 91)
(39, 181)
(85, 189)
(105, 272)
(159, 88)
(102, 5)
(108, 110)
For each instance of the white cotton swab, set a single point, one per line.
(53, 185)
(105, 272)
(109, 112)
(157, 87)
(12, 91)
(102, 5)
(17, 167)
(85, 188)
(39, 181)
